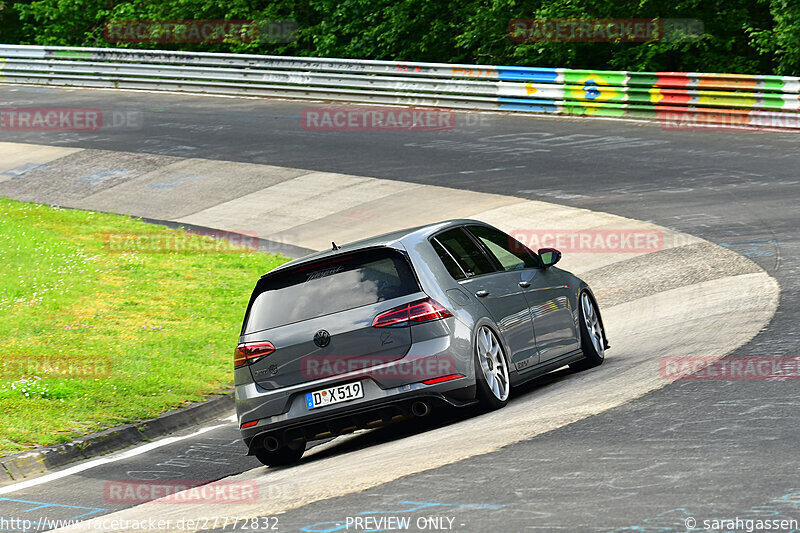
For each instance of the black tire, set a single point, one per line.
(590, 340)
(490, 397)
(287, 455)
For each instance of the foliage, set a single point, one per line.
(753, 36)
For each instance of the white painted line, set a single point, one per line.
(106, 460)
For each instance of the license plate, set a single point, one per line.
(342, 393)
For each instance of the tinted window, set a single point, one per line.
(448, 261)
(511, 253)
(309, 291)
(466, 252)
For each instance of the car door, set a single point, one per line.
(548, 297)
(496, 288)
(546, 291)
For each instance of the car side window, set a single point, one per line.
(508, 251)
(448, 261)
(472, 260)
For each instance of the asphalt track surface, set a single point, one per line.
(700, 449)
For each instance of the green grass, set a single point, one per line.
(93, 337)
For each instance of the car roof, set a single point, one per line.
(390, 240)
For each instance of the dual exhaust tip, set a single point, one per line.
(418, 409)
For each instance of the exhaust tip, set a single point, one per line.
(271, 443)
(420, 409)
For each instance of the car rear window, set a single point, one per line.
(330, 286)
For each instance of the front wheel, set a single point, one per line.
(288, 455)
(592, 338)
(491, 370)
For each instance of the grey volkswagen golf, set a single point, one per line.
(453, 313)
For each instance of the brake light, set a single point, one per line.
(249, 424)
(317, 265)
(246, 353)
(413, 313)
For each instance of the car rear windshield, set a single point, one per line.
(330, 286)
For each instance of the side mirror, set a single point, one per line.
(549, 256)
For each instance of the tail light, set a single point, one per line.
(247, 353)
(413, 313)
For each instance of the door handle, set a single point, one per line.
(481, 293)
(524, 284)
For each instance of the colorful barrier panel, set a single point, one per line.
(685, 98)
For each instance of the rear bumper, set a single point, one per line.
(344, 418)
(389, 390)
(387, 385)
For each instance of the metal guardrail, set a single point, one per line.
(696, 98)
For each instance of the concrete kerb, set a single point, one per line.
(42, 460)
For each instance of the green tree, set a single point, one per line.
(748, 36)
